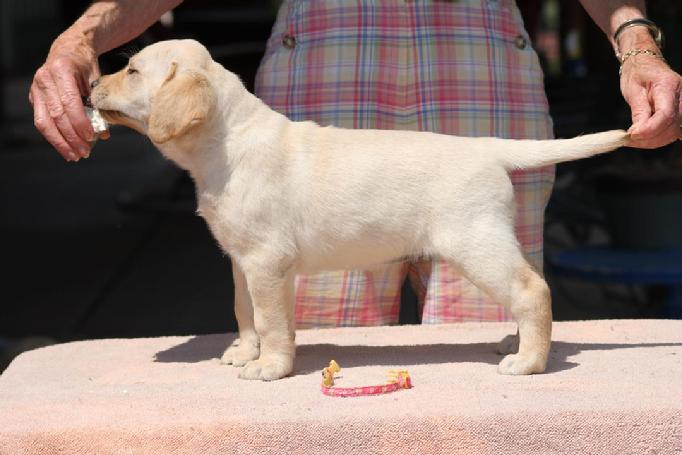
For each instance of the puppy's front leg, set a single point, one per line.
(246, 348)
(273, 310)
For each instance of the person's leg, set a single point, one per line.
(451, 298)
(448, 67)
(350, 298)
(334, 63)
(475, 74)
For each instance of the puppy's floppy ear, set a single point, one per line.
(184, 101)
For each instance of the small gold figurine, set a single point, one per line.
(328, 373)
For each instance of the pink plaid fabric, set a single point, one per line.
(454, 67)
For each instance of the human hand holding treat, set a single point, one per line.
(57, 92)
(62, 83)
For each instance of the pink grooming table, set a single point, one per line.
(612, 387)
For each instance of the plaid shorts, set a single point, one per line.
(455, 67)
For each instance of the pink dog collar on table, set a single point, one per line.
(397, 380)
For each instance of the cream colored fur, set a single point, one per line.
(285, 198)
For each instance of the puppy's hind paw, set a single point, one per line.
(239, 355)
(266, 370)
(517, 364)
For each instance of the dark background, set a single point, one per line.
(110, 246)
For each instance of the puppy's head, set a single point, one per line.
(163, 92)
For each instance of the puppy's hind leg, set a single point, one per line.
(531, 308)
(273, 313)
(247, 346)
(496, 266)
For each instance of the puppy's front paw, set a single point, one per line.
(238, 355)
(518, 364)
(266, 369)
(508, 345)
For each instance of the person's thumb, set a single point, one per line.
(641, 111)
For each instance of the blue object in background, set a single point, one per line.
(639, 267)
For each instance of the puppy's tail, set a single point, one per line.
(524, 154)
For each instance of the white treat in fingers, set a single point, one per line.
(98, 123)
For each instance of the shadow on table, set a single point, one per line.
(308, 357)
(197, 349)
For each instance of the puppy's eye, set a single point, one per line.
(132, 71)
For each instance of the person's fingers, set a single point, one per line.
(663, 126)
(670, 135)
(641, 111)
(664, 115)
(70, 98)
(678, 109)
(57, 112)
(44, 123)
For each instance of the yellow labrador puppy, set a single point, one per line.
(285, 197)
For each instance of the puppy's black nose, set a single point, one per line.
(94, 83)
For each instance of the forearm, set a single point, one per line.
(610, 14)
(107, 24)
